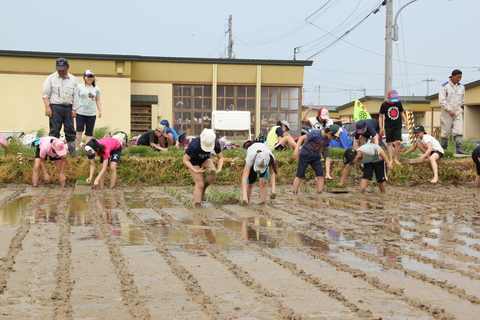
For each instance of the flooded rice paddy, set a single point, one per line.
(142, 253)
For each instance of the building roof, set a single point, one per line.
(94, 56)
(468, 85)
(404, 99)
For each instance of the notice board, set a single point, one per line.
(231, 121)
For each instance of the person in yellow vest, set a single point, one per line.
(279, 137)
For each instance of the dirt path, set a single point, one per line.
(140, 253)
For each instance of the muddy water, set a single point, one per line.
(140, 253)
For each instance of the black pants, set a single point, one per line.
(62, 115)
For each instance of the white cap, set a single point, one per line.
(207, 140)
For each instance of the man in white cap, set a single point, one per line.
(60, 97)
(451, 96)
(260, 162)
(198, 161)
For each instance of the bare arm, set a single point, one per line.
(412, 148)
(404, 118)
(219, 162)
(384, 157)
(380, 122)
(101, 174)
(189, 165)
(304, 117)
(99, 105)
(92, 170)
(246, 172)
(345, 172)
(48, 110)
(297, 147)
(156, 146)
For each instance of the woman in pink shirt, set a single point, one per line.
(55, 149)
(106, 149)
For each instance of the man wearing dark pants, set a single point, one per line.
(60, 96)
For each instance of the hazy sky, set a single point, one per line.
(343, 38)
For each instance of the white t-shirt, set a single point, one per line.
(433, 142)
(252, 152)
(318, 125)
(88, 100)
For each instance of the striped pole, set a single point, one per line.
(411, 124)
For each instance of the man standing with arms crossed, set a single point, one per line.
(451, 97)
(60, 96)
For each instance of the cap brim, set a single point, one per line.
(61, 68)
(207, 149)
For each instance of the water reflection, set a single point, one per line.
(77, 212)
(12, 212)
(46, 210)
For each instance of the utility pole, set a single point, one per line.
(388, 47)
(390, 35)
(295, 51)
(428, 84)
(319, 95)
(230, 38)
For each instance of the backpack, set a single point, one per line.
(260, 139)
(36, 142)
(134, 140)
(122, 137)
(28, 139)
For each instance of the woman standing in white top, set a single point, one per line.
(89, 94)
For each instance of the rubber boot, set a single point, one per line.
(444, 143)
(458, 145)
(71, 149)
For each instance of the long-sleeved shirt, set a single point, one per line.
(451, 96)
(61, 90)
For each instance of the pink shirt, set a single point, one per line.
(46, 148)
(110, 145)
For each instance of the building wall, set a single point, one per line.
(163, 91)
(22, 78)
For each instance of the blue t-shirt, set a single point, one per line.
(173, 132)
(196, 152)
(314, 143)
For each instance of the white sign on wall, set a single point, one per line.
(231, 121)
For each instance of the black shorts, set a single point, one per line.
(477, 162)
(378, 167)
(393, 134)
(252, 175)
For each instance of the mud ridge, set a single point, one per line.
(453, 289)
(436, 312)
(393, 236)
(61, 296)
(420, 276)
(238, 272)
(15, 194)
(16, 243)
(292, 267)
(191, 283)
(129, 290)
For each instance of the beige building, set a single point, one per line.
(471, 111)
(426, 110)
(139, 91)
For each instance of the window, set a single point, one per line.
(236, 98)
(279, 103)
(192, 108)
